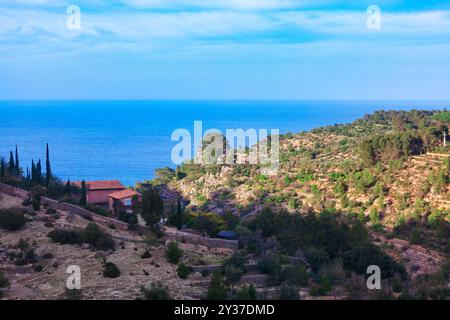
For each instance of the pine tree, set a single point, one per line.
(17, 166)
(2, 168)
(12, 166)
(48, 170)
(152, 208)
(83, 199)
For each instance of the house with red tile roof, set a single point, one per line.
(123, 201)
(97, 191)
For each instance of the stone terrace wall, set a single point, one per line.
(172, 234)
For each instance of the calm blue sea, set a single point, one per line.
(128, 140)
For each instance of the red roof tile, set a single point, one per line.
(101, 184)
(123, 194)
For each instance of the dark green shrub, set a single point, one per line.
(47, 255)
(232, 275)
(66, 236)
(294, 274)
(110, 270)
(173, 252)
(205, 273)
(216, 288)
(38, 267)
(51, 211)
(97, 238)
(288, 292)
(269, 265)
(36, 202)
(247, 293)
(146, 254)
(156, 292)
(4, 283)
(73, 294)
(92, 235)
(237, 259)
(416, 237)
(12, 219)
(183, 271)
(317, 258)
(359, 258)
(97, 209)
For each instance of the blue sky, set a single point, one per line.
(225, 49)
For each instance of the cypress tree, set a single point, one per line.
(28, 174)
(48, 170)
(2, 168)
(12, 166)
(17, 162)
(68, 188)
(39, 172)
(179, 215)
(33, 171)
(83, 199)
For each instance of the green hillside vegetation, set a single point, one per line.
(387, 173)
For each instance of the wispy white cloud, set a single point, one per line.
(227, 4)
(23, 25)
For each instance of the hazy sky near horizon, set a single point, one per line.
(225, 49)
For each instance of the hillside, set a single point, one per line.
(337, 169)
(372, 193)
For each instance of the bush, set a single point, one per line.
(97, 209)
(66, 236)
(232, 274)
(12, 219)
(173, 252)
(183, 271)
(4, 283)
(36, 204)
(73, 294)
(110, 270)
(356, 287)
(334, 272)
(48, 224)
(416, 237)
(47, 255)
(322, 288)
(97, 238)
(92, 235)
(269, 265)
(51, 211)
(38, 267)
(205, 273)
(216, 288)
(288, 292)
(205, 224)
(317, 258)
(156, 292)
(237, 259)
(359, 258)
(147, 254)
(294, 274)
(247, 293)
